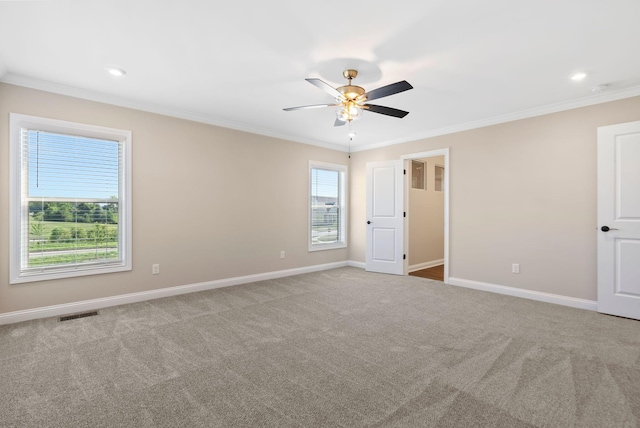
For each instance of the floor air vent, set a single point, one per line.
(76, 316)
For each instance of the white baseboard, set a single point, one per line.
(426, 265)
(361, 265)
(91, 305)
(527, 294)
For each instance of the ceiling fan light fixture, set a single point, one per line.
(349, 112)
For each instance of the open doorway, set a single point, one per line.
(426, 203)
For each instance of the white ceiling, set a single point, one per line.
(239, 63)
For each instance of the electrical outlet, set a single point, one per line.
(282, 254)
(155, 269)
(515, 268)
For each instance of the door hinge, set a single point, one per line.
(404, 171)
(405, 214)
(404, 257)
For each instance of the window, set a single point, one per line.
(327, 208)
(70, 199)
(439, 178)
(417, 174)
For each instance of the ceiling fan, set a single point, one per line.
(352, 99)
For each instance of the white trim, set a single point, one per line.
(57, 88)
(87, 305)
(447, 190)
(18, 197)
(86, 94)
(343, 198)
(428, 154)
(600, 98)
(526, 294)
(360, 265)
(426, 265)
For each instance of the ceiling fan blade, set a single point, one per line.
(385, 91)
(389, 111)
(339, 122)
(308, 107)
(324, 86)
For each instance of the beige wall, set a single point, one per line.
(208, 202)
(520, 192)
(426, 217)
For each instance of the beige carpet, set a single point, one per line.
(335, 348)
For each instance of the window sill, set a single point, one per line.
(322, 247)
(62, 274)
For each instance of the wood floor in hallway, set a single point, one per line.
(436, 272)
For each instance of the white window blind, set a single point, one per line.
(327, 206)
(72, 217)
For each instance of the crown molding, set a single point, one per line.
(510, 117)
(43, 85)
(57, 88)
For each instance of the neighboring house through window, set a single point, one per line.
(327, 209)
(70, 199)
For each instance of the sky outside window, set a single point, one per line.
(67, 166)
(325, 182)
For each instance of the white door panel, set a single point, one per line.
(385, 217)
(619, 212)
(628, 177)
(384, 188)
(383, 244)
(628, 258)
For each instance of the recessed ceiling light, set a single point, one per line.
(115, 71)
(578, 76)
(351, 134)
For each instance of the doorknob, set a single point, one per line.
(368, 222)
(607, 228)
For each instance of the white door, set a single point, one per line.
(619, 220)
(385, 217)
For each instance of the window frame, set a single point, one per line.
(435, 178)
(342, 198)
(18, 202)
(424, 174)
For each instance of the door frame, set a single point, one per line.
(447, 189)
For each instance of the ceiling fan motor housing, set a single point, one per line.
(351, 92)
